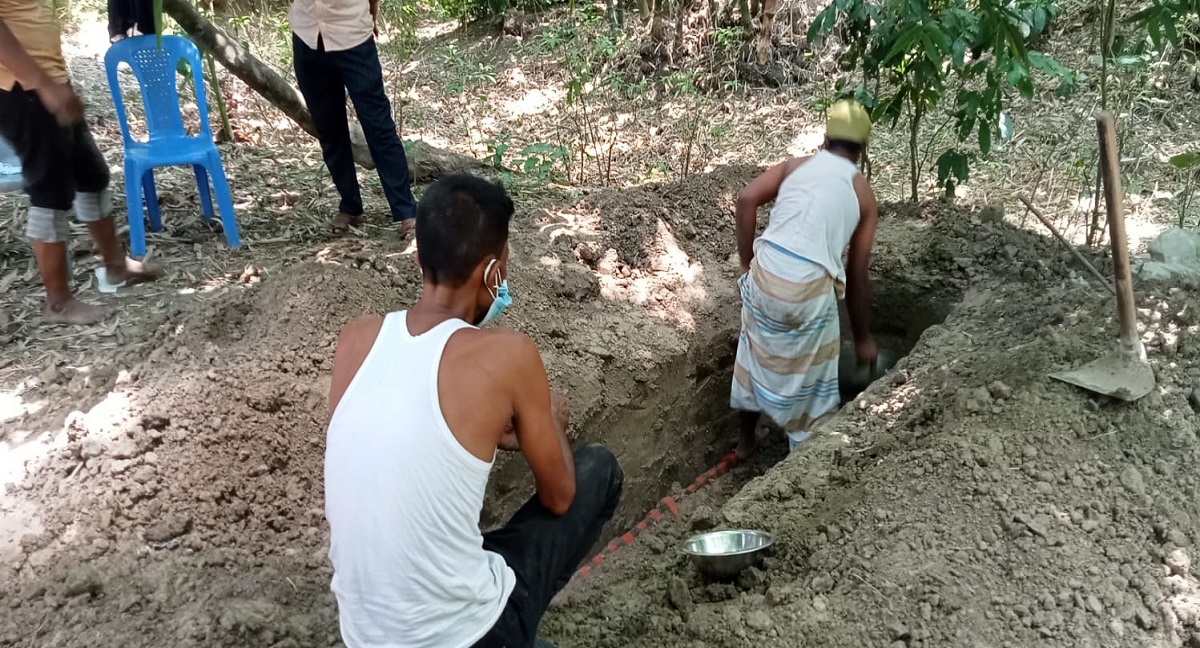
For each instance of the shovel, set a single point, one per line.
(1123, 373)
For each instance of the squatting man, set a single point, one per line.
(422, 401)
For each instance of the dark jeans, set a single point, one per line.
(325, 78)
(545, 549)
(56, 161)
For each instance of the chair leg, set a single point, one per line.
(151, 193)
(224, 201)
(137, 216)
(205, 193)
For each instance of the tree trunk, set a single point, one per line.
(424, 162)
(914, 130)
(643, 7)
(744, 15)
(685, 7)
(764, 31)
(657, 31)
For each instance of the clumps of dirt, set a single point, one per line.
(965, 499)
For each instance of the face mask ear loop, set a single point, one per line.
(494, 291)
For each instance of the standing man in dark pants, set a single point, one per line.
(334, 48)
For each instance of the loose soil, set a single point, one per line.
(965, 499)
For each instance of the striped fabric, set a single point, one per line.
(787, 355)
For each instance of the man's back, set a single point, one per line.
(815, 214)
(403, 498)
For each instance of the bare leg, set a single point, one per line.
(61, 306)
(748, 434)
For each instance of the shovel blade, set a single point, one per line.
(1118, 374)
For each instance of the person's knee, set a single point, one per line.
(92, 206)
(47, 225)
(596, 462)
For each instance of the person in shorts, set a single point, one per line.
(41, 118)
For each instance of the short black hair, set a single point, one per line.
(461, 220)
(845, 146)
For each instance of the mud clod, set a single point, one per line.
(679, 595)
(84, 581)
(1179, 562)
(169, 529)
(1131, 479)
(759, 621)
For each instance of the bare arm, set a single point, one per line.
(761, 191)
(858, 270)
(540, 419)
(58, 98)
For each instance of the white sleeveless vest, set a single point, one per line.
(815, 214)
(403, 499)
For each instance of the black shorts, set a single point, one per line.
(56, 161)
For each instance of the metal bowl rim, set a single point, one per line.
(769, 537)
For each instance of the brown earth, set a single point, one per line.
(964, 500)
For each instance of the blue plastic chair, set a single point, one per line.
(155, 69)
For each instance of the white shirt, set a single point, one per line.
(815, 214)
(340, 24)
(403, 497)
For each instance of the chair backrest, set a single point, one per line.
(156, 70)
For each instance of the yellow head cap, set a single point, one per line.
(848, 121)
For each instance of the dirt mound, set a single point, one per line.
(964, 500)
(697, 211)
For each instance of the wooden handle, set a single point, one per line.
(1114, 199)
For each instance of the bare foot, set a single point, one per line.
(133, 272)
(75, 313)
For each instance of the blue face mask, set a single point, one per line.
(500, 297)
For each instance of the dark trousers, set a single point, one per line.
(544, 549)
(56, 161)
(325, 78)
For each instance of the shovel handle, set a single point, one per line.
(1114, 200)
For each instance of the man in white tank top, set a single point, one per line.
(792, 278)
(422, 400)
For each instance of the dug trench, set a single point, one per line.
(185, 507)
(674, 424)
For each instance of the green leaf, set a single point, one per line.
(903, 44)
(953, 169)
(1025, 86)
(1186, 161)
(823, 24)
(1130, 60)
(985, 138)
(958, 51)
(1067, 86)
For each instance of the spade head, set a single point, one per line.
(1120, 374)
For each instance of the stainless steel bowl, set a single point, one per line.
(723, 555)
